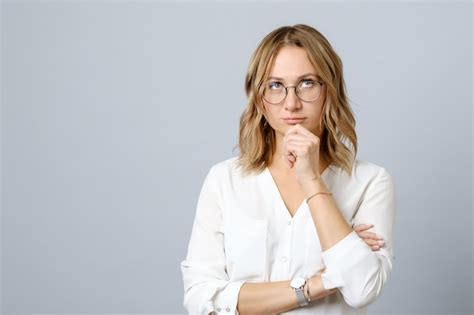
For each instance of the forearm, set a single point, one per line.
(330, 224)
(275, 297)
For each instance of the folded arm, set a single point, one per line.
(351, 266)
(276, 297)
(207, 287)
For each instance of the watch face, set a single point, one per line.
(297, 282)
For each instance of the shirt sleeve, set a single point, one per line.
(358, 272)
(207, 288)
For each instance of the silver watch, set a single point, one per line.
(297, 284)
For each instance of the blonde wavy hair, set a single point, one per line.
(257, 143)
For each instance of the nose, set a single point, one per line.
(292, 102)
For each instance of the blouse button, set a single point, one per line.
(283, 259)
(219, 309)
(289, 223)
(227, 309)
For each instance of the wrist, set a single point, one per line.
(313, 284)
(316, 288)
(298, 284)
(306, 291)
(311, 187)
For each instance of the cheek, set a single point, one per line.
(267, 111)
(272, 117)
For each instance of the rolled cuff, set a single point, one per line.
(225, 301)
(333, 259)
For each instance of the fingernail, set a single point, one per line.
(381, 242)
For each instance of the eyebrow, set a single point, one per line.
(300, 77)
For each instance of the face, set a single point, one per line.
(291, 66)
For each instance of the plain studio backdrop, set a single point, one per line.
(113, 113)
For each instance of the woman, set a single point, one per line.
(296, 223)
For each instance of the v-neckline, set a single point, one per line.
(277, 193)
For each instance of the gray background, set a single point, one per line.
(113, 112)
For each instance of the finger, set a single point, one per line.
(302, 130)
(295, 136)
(289, 152)
(370, 235)
(362, 227)
(304, 141)
(303, 146)
(292, 130)
(288, 160)
(375, 248)
(297, 149)
(296, 140)
(286, 152)
(372, 242)
(291, 149)
(298, 136)
(377, 243)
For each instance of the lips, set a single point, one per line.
(293, 120)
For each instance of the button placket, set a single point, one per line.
(287, 247)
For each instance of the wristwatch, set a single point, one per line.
(297, 284)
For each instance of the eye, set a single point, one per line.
(274, 85)
(307, 83)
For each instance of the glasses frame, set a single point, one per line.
(296, 91)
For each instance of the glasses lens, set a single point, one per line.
(309, 90)
(274, 93)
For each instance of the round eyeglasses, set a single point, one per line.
(307, 90)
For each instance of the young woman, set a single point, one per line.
(296, 223)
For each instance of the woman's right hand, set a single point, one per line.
(374, 240)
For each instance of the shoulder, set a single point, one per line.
(363, 174)
(224, 165)
(225, 168)
(229, 172)
(368, 172)
(363, 167)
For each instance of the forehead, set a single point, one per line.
(290, 63)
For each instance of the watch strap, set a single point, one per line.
(300, 297)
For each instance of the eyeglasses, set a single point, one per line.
(307, 90)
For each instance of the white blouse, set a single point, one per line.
(243, 232)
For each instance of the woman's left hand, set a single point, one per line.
(375, 241)
(301, 150)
